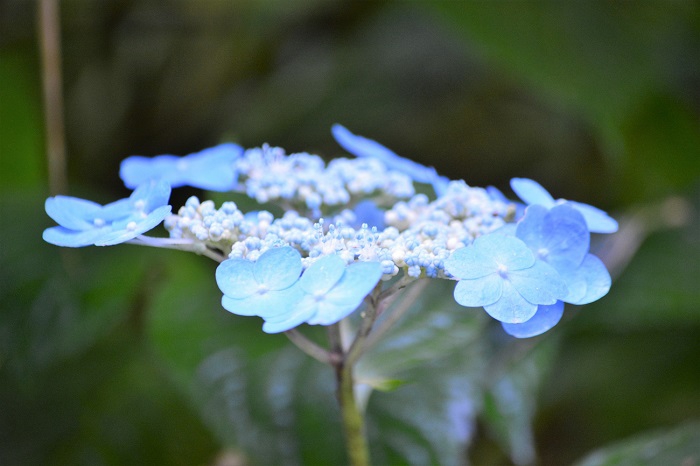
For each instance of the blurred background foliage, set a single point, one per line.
(124, 356)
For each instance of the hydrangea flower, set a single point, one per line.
(532, 193)
(331, 290)
(362, 147)
(262, 288)
(560, 238)
(211, 169)
(500, 273)
(84, 223)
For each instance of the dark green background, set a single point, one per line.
(124, 356)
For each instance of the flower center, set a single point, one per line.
(502, 270)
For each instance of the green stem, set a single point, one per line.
(353, 420)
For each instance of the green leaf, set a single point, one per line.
(680, 445)
(512, 393)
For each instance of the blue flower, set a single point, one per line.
(546, 317)
(500, 273)
(84, 223)
(263, 288)
(532, 193)
(211, 169)
(331, 290)
(362, 147)
(560, 238)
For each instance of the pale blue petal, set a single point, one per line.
(366, 211)
(512, 307)
(141, 227)
(278, 268)
(505, 250)
(136, 170)
(480, 291)
(358, 281)
(304, 309)
(213, 168)
(576, 284)
(362, 147)
(61, 236)
(266, 305)
(235, 278)
(117, 210)
(531, 192)
(440, 184)
(546, 317)
(152, 193)
(539, 284)
(597, 220)
(558, 236)
(322, 275)
(596, 277)
(470, 263)
(71, 212)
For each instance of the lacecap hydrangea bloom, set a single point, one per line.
(353, 229)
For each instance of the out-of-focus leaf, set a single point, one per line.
(432, 418)
(75, 388)
(21, 133)
(596, 58)
(511, 395)
(434, 327)
(677, 446)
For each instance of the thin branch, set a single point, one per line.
(407, 300)
(50, 45)
(370, 316)
(310, 348)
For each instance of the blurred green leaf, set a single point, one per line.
(677, 446)
(21, 128)
(511, 395)
(75, 384)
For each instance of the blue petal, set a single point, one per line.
(322, 275)
(136, 170)
(366, 211)
(358, 281)
(558, 236)
(213, 168)
(117, 210)
(539, 284)
(505, 250)
(597, 220)
(235, 278)
(304, 309)
(140, 227)
(71, 212)
(61, 236)
(152, 194)
(363, 147)
(469, 263)
(267, 305)
(546, 317)
(511, 307)
(596, 277)
(531, 192)
(480, 291)
(278, 268)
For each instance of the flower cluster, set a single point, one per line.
(349, 226)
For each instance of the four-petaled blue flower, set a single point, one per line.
(560, 237)
(362, 147)
(532, 193)
(332, 291)
(212, 169)
(500, 273)
(263, 288)
(84, 223)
